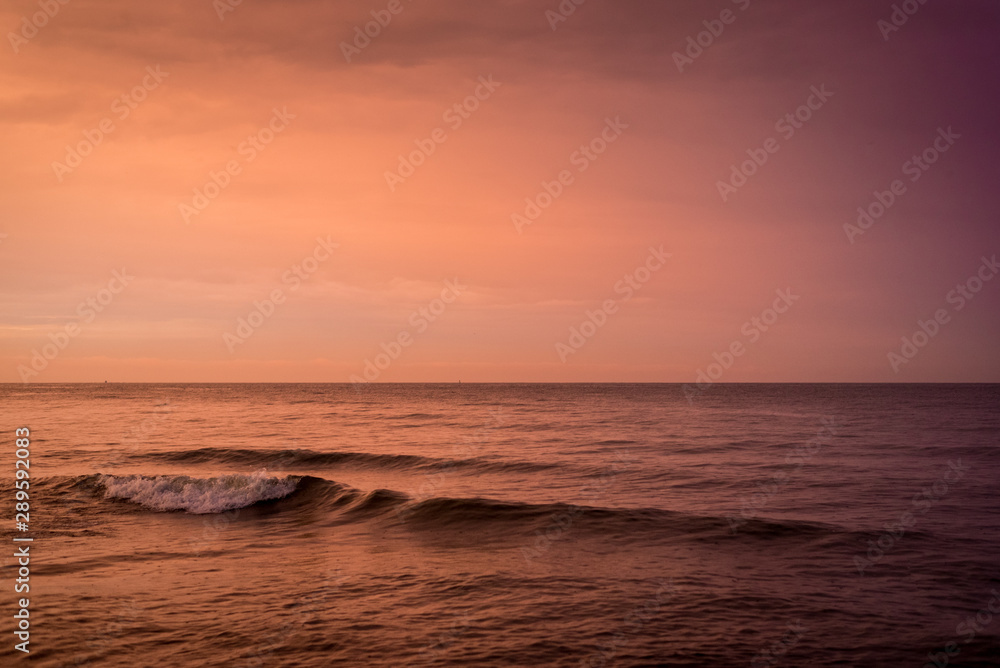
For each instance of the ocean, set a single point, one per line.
(573, 525)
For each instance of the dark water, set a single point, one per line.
(509, 525)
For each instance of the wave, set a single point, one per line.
(620, 523)
(283, 459)
(197, 495)
(339, 503)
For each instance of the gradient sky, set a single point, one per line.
(656, 185)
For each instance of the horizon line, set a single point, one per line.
(543, 382)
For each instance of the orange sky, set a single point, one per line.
(197, 87)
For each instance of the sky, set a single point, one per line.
(507, 191)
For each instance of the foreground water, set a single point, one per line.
(509, 525)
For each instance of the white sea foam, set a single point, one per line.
(197, 495)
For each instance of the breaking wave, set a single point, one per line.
(197, 495)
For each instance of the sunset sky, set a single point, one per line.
(327, 131)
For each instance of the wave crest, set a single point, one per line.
(199, 496)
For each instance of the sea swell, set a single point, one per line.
(326, 501)
(276, 459)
